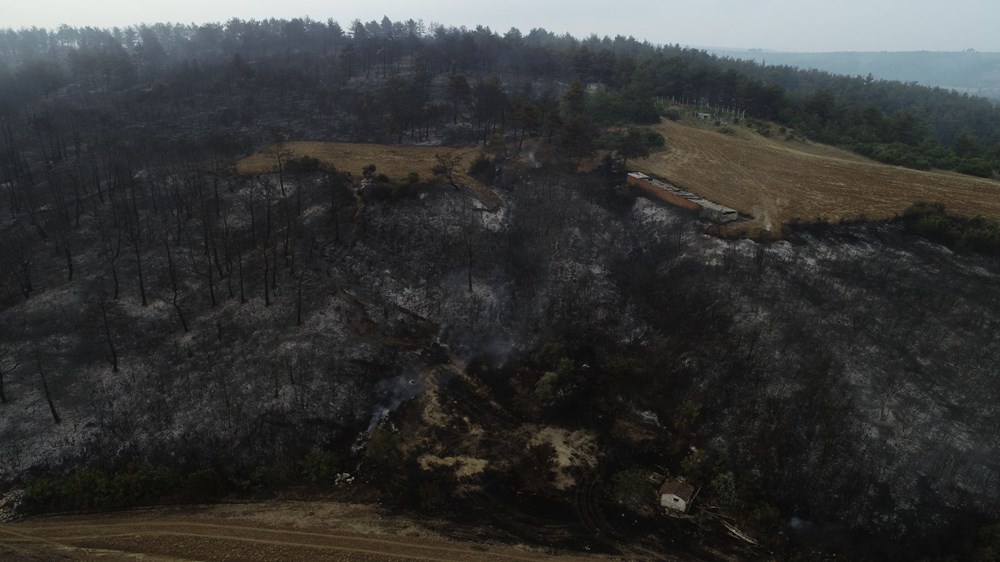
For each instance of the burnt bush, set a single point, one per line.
(95, 488)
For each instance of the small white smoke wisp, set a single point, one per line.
(392, 393)
(799, 524)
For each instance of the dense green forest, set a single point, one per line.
(510, 82)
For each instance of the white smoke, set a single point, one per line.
(392, 392)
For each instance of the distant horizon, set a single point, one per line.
(345, 26)
(855, 51)
(775, 25)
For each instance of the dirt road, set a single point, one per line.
(287, 531)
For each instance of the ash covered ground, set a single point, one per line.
(844, 376)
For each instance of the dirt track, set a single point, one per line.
(778, 181)
(275, 531)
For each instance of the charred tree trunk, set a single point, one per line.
(173, 283)
(239, 266)
(267, 269)
(211, 280)
(298, 196)
(180, 313)
(8, 364)
(24, 277)
(253, 223)
(114, 276)
(298, 305)
(107, 334)
(215, 257)
(274, 267)
(45, 389)
(229, 258)
(142, 281)
(69, 260)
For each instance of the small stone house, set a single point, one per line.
(676, 495)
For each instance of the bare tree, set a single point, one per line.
(239, 265)
(106, 320)
(267, 270)
(298, 299)
(335, 182)
(17, 258)
(206, 273)
(111, 245)
(172, 270)
(45, 386)
(9, 362)
(227, 245)
(63, 247)
(137, 241)
(446, 168)
(281, 153)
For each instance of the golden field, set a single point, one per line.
(777, 181)
(395, 161)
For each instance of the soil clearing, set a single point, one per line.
(254, 531)
(395, 161)
(776, 182)
(576, 451)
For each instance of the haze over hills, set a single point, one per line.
(970, 71)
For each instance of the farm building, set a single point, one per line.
(680, 198)
(717, 213)
(705, 116)
(676, 494)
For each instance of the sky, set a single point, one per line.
(784, 25)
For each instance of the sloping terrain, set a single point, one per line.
(843, 376)
(779, 181)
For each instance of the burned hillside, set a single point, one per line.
(509, 336)
(841, 375)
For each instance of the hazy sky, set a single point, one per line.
(790, 25)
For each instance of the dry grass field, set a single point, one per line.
(395, 161)
(780, 181)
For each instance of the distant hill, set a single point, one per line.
(966, 71)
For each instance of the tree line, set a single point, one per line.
(508, 83)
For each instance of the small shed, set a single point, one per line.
(676, 494)
(704, 116)
(718, 213)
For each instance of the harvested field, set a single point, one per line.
(778, 181)
(395, 161)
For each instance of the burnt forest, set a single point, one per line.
(400, 264)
